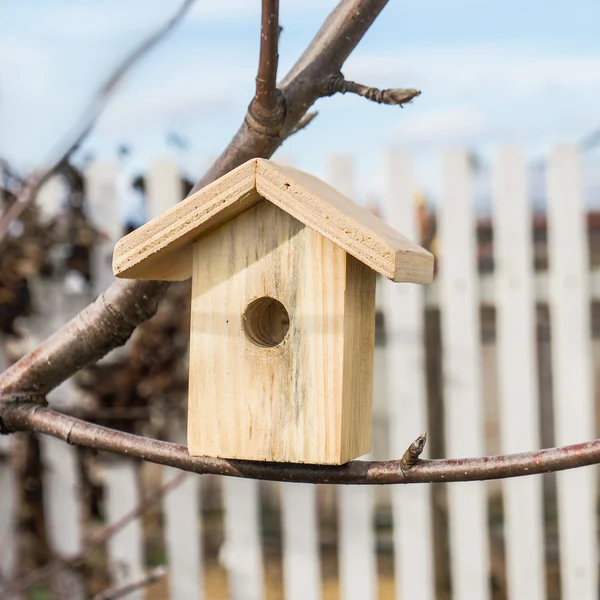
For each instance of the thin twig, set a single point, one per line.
(343, 29)
(266, 80)
(19, 585)
(87, 120)
(267, 109)
(393, 96)
(31, 417)
(153, 576)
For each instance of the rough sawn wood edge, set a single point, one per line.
(162, 248)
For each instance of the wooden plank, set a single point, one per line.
(572, 371)
(356, 542)
(161, 249)
(301, 565)
(407, 395)
(347, 224)
(125, 548)
(517, 374)
(242, 552)
(183, 535)
(274, 330)
(143, 253)
(163, 187)
(469, 551)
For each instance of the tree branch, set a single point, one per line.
(393, 96)
(87, 120)
(153, 576)
(18, 586)
(103, 325)
(53, 360)
(267, 109)
(303, 85)
(266, 80)
(37, 418)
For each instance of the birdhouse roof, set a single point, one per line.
(162, 248)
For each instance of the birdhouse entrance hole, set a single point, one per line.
(266, 322)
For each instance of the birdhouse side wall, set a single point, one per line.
(281, 402)
(359, 356)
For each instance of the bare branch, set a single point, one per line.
(324, 57)
(394, 96)
(153, 576)
(267, 109)
(87, 120)
(266, 80)
(303, 85)
(31, 417)
(99, 539)
(103, 325)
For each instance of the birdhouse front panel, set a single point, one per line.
(281, 351)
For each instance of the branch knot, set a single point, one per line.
(267, 119)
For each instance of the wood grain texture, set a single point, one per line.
(348, 225)
(162, 249)
(281, 403)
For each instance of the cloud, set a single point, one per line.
(177, 97)
(446, 126)
(455, 72)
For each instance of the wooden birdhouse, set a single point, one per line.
(283, 272)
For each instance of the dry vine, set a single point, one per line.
(273, 115)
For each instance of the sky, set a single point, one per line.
(492, 73)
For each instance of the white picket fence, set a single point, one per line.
(400, 406)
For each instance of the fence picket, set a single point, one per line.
(407, 395)
(242, 551)
(183, 533)
(301, 566)
(8, 502)
(103, 210)
(62, 487)
(125, 548)
(55, 303)
(469, 547)
(357, 558)
(519, 405)
(163, 187)
(572, 370)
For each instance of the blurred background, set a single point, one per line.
(494, 168)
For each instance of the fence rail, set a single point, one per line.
(471, 541)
